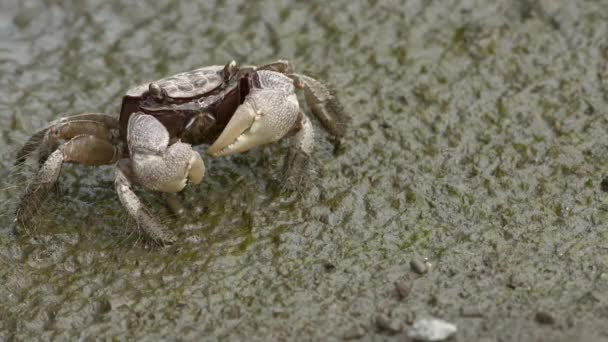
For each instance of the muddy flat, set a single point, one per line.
(471, 187)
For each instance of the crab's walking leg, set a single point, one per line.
(281, 65)
(46, 140)
(297, 161)
(68, 130)
(151, 227)
(324, 104)
(81, 149)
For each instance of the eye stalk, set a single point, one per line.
(156, 91)
(230, 70)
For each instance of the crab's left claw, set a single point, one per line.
(269, 112)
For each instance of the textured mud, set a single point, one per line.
(469, 188)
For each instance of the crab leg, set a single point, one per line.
(297, 160)
(82, 149)
(323, 103)
(46, 142)
(69, 130)
(281, 65)
(153, 229)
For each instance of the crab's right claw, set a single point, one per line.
(265, 116)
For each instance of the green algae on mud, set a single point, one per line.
(478, 143)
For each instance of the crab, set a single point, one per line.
(231, 108)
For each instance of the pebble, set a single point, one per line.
(431, 329)
(354, 332)
(403, 289)
(543, 317)
(418, 266)
(386, 324)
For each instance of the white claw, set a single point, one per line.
(265, 117)
(242, 120)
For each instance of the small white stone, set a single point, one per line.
(431, 329)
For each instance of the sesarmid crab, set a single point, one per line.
(231, 108)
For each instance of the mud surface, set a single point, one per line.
(469, 187)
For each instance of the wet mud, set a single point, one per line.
(471, 186)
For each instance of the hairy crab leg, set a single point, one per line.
(110, 121)
(324, 104)
(124, 182)
(82, 149)
(297, 161)
(68, 130)
(281, 65)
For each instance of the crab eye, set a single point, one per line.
(230, 69)
(155, 91)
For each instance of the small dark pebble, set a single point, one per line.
(354, 332)
(329, 267)
(418, 266)
(103, 306)
(386, 324)
(403, 289)
(604, 184)
(471, 310)
(543, 317)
